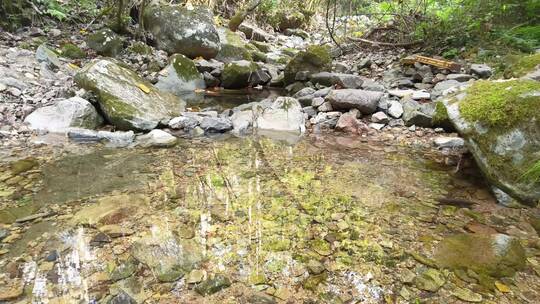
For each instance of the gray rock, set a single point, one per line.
(304, 92)
(233, 47)
(310, 111)
(347, 81)
(481, 70)
(420, 95)
(180, 76)
(449, 142)
(239, 74)
(156, 138)
(252, 32)
(210, 81)
(74, 112)
(325, 107)
(376, 126)
(396, 109)
(127, 100)
(216, 124)
(317, 102)
(322, 92)
(371, 85)
(459, 77)
(418, 114)
(182, 29)
(379, 117)
(45, 55)
(105, 42)
(326, 119)
(242, 121)
(115, 139)
(442, 87)
(204, 65)
(365, 101)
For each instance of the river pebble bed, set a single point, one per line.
(328, 219)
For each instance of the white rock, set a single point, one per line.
(379, 117)
(156, 138)
(418, 95)
(449, 142)
(285, 114)
(376, 126)
(396, 109)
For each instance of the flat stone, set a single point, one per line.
(430, 280)
(449, 142)
(420, 95)
(156, 138)
(116, 231)
(459, 77)
(379, 117)
(396, 109)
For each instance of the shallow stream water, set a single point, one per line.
(328, 219)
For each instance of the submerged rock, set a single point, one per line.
(213, 285)
(110, 210)
(501, 128)
(127, 100)
(65, 114)
(313, 60)
(430, 280)
(169, 257)
(105, 42)
(180, 76)
(182, 29)
(496, 255)
(365, 101)
(285, 114)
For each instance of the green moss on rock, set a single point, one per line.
(105, 42)
(501, 104)
(140, 48)
(314, 59)
(521, 65)
(70, 50)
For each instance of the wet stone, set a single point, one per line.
(213, 285)
(430, 280)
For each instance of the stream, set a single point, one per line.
(239, 220)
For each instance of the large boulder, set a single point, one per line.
(243, 74)
(105, 42)
(501, 127)
(180, 76)
(313, 60)
(65, 114)
(365, 101)
(233, 47)
(285, 114)
(183, 29)
(127, 100)
(345, 81)
(254, 33)
(496, 255)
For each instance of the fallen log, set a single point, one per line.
(439, 63)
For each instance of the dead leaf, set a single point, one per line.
(144, 88)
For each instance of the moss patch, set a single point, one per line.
(69, 50)
(521, 65)
(184, 67)
(441, 114)
(501, 104)
(314, 59)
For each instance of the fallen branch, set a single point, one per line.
(378, 43)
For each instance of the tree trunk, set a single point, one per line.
(239, 17)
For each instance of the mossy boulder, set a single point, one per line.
(313, 60)
(241, 74)
(233, 47)
(105, 42)
(180, 76)
(128, 101)
(496, 255)
(519, 66)
(500, 123)
(140, 48)
(70, 50)
(283, 20)
(182, 29)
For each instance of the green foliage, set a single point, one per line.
(501, 104)
(533, 174)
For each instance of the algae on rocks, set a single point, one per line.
(127, 100)
(233, 47)
(313, 60)
(105, 42)
(239, 74)
(182, 29)
(497, 255)
(501, 126)
(180, 76)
